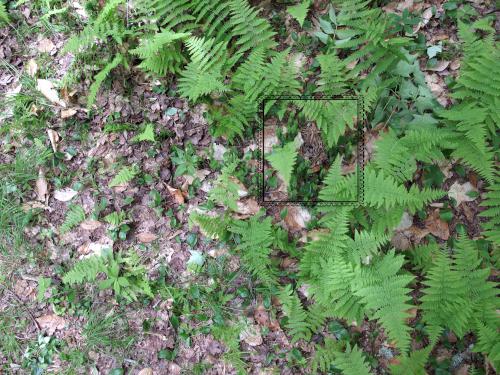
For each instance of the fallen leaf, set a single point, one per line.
(297, 218)
(90, 225)
(251, 335)
(46, 87)
(436, 226)
(41, 186)
(247, 207)
(45, 45)
(242, 190)
(146, 237)
(34, 204)
(459, 192)
(176, 194)
(80, 10)
(67, 113)
(440, 66)
(426, 17)
(65, 195)
(31, 68)
(261, 316)
(51, 323)
(405, 223)
(270, 138)
(219, 151)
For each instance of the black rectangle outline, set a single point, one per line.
(360, 156)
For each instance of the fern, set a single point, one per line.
(488, 343)
(100, 77)
(324, 356)
(491, 228)
(212, 227)
(352, 362)
(85, 270)
(413, 364)
(226, 190)
(457, 291)
(254, 248)
(203, 75)
(283, 160)
(299, 11)
(4, 15)
(161, 52)
(125, 175)
(148, 134)
(293, 310)
(74, 216)
(332, 79)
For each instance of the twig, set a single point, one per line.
(38, 328)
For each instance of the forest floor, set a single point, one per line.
(64, 155)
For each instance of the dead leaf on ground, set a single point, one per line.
(41, 186)
(436, 226)
(65, 195)
(459, 192)
(261, 316)
(176, 194)
(247, 207)
(251, 335)
(45, 45)
(31, 68)
(440, 66)
(426, 17)
(31, 205)
(297, 218)
(90, 225)
(46, 87)
(67, 113)
(146, 237)
(51, 323)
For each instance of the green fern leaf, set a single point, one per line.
(4, 15)
(84, 270)
(74, 216)
(283, 159)
(299, 11)
(148, 134)
(125, 175)
(100, 77)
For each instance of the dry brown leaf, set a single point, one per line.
(41, 186)
(90, 225)
(247, 207)
(426, 17)
(297, 218)
(459, 192)
(242, 190)
(270, 138)
(34, 204)
(67, 113)
(146, 237)
(51, 323)
(176, 194)
(46, 87)
(45, 45)
(261, 316)
(65, 195)
(31, 68)
(436, 226)
(251, 335)
(440, 66)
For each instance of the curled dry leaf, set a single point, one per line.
(459, 192)
(219, 151)
(31, 205)
(51, 323)
(146, 237)
(440, 66)
(176, 194)
(41, 186)
(436, 226)
(90, 225)
(65, 195)
(297, 218)
(242, 190)
(46, 87)
(67, 113)
(251, 335)
(247, 207)
(270, 138)
(45, 45)
(31, 68)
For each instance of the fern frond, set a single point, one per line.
(74, 216)
(203, 75)
(212, 227)
(125, 175)
(296, 314)
(413, 364)
(226, 190)
(283, 159)
(84, 270)
(332, 79)
(4, 15)
(352, 362)
(491, 228)
(100, 77)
